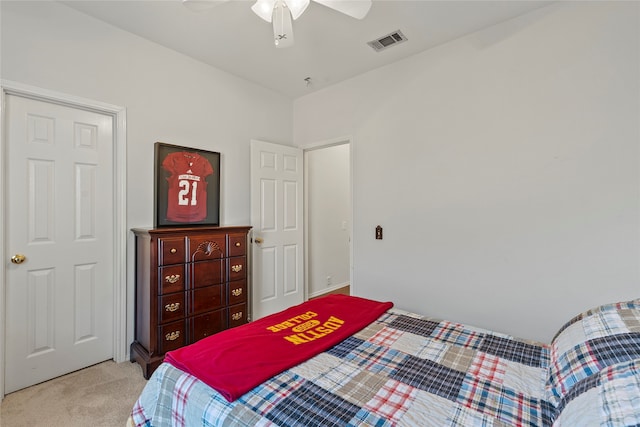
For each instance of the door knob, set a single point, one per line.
(258, 240)
(18, 259)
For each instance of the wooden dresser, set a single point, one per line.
(190, 283)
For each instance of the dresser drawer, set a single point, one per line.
(237, 292)
(206, 299)
(206, 247)
(237, 244)
(207, 324)
(206, 273)
(171, 336)
(171, 307)
(171, 251)
(237, 268)
(237, 315)
(171, 279)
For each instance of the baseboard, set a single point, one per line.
(330, 290)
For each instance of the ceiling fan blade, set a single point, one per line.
(201, 5)
(264, 9)
(297, 7)
(355, 8)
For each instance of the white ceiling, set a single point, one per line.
(328, 46)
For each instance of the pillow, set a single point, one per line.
(590, 342)
(609, 398)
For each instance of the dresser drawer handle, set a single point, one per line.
(236, 316)
(173, 278)
(172, 307)
(238, 244)
(173, 250)
(172, 336)
(236, 292)
(236, 268)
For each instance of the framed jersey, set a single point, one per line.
(187, 186)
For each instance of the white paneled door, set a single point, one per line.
(60, 238)
(278, 232)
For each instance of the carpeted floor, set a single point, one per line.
(101, 396)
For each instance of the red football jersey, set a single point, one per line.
(187, 193)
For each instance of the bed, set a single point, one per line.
(406, 369)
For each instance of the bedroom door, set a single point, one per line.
(278, 232)
(60, 240)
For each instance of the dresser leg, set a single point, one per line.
(148, 363)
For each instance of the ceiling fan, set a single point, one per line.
(280, 13)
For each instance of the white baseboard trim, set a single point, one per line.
(328, 289)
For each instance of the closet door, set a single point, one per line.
(60, 282)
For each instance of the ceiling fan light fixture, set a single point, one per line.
(282, 27)
(264, 9)
(282, 12)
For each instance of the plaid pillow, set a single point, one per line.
(609, 398)
(590, 342)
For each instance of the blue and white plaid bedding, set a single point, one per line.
(594, 376)
(410, 370)
(611, 397)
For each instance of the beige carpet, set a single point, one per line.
(101, 396)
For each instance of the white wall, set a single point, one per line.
(169, 98)
(328, 192)
(503, 166)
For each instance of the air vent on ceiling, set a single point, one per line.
(387, 41)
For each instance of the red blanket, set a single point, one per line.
(236, 360)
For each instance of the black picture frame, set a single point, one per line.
(187, 186)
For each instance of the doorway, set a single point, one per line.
(328, 218)
(278, 234)
(63, 295)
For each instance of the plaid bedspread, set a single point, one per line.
(403, 369)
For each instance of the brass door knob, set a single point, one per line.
(18, 259)
(258, 240)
